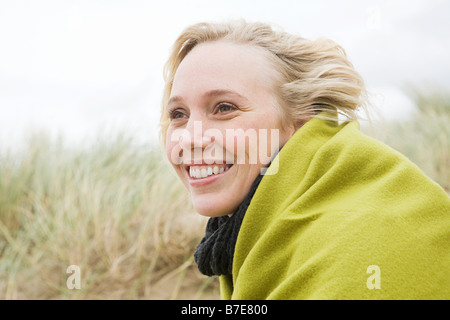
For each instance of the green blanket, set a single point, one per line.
(345, 217)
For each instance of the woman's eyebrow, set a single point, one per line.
(209, 94)
(222, 92)
(174, 99)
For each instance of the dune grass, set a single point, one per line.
(115, 208)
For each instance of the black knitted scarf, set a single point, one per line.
(214, 254)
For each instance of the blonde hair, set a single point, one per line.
(315, 75)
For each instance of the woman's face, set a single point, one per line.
(224, 124)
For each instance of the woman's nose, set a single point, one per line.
(194, 137)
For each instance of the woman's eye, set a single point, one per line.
(225, 107)
(176, 114)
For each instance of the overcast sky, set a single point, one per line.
(75, 66)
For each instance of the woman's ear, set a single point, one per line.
(292, 129)
(288, 131)
(307, 115)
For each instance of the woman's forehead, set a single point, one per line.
(222, 65)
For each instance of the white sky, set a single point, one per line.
(76, 66)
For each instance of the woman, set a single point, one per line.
(302, 206)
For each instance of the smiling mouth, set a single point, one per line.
(204, 171)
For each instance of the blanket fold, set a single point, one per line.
(342, 216)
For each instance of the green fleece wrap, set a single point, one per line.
(345, 217)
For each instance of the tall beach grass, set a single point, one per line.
(113, 208)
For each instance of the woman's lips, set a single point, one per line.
(200, 175)
(204, 171)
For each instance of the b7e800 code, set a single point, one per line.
(246, 309)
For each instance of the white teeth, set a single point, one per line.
(198, 173)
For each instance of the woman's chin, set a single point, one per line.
(212, 206)
(211, 212)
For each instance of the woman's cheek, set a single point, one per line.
(173, 148)
(254, 146)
